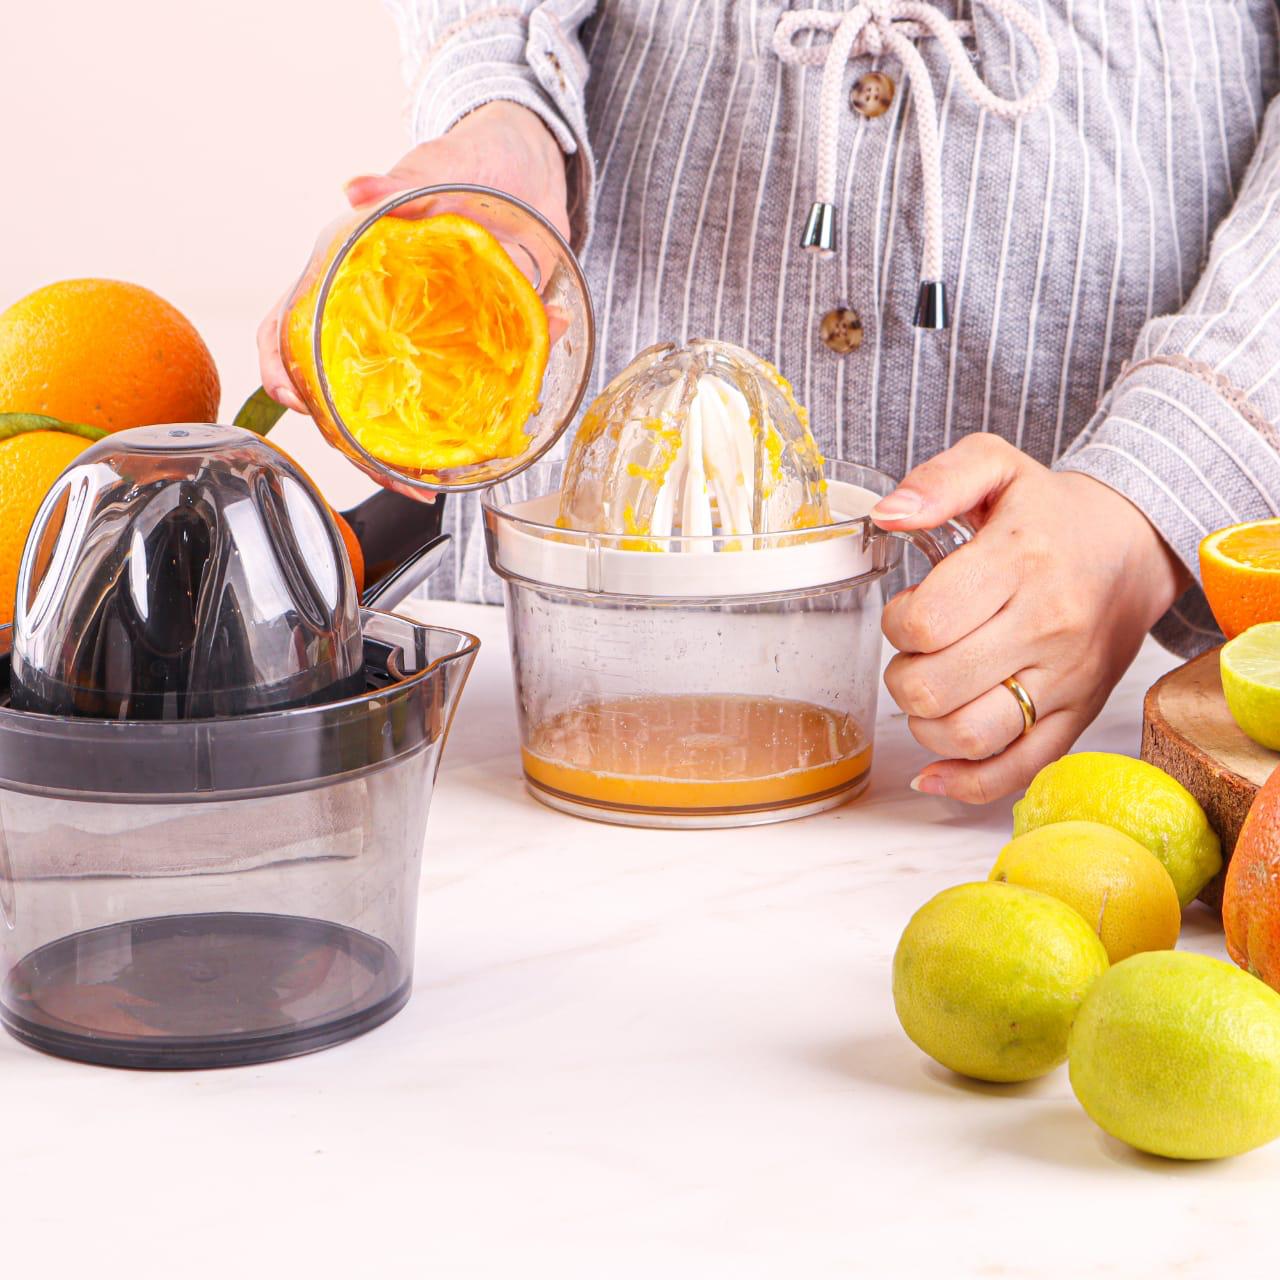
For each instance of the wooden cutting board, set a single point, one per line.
(1189, 733)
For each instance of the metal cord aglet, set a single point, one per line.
(931, 305)
(820, 229)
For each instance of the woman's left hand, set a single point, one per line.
(1058, 588)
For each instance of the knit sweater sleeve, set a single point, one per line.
(1190, 431)
(458, 55)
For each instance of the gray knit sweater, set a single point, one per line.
(1112, 258)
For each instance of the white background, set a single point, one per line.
(196, 148)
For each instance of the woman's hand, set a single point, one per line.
(500, 145)
(1058, 588)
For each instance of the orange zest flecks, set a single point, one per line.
(773, 446)
(638, 542)
(809, 516)
(667, 445)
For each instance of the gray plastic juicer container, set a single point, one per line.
(183, 884)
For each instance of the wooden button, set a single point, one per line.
(871, 94)
(841, 330)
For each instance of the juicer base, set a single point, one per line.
(689, 820)
(218, 989)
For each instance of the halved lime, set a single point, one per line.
(1251, 681)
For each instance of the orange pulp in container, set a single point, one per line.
(711, 753)
(433, 342)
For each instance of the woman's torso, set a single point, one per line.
(1063, 233)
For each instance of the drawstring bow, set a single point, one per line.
(875, 27)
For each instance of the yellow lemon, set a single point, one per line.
(1178, 1054)
(1120, 888)
(1134, 797)
(988, 977)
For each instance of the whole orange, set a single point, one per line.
(355, 553)
(106, 353)
(1251, 897)
(29, 464)
(1240, 572)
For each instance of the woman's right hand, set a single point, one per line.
(500, 145)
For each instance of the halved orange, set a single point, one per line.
(434, 344)
(1240, 573)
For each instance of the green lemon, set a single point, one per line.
(1120, 888)
(1251, 680)
(988, 976)
(1134, 797)
(1178, 1054)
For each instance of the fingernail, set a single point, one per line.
(928, 784)
(285, 396)
(901, 502)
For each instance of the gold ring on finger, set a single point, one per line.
(1025, 705)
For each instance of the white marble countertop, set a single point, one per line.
(629, 1054)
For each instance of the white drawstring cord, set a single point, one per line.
(870, 28)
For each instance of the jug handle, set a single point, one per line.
(934, 544)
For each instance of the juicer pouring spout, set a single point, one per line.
(449, 655)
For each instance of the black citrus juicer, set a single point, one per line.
(215, 764)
